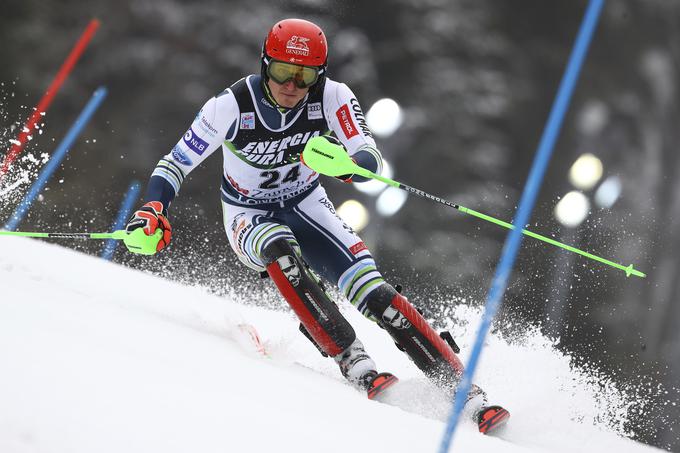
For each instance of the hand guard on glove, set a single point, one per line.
(335, 141)
(150, 217)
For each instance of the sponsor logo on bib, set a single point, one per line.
(314, 111)
(275, 152)
(248, 120)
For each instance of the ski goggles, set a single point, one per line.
(302, 76)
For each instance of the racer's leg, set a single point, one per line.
(338, 253)
(264, 243)
(333, 249)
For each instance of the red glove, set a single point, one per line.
(151, 218)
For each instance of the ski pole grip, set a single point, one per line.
(138, 242)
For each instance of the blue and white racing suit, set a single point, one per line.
(267, 193)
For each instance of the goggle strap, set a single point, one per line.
(268, 60)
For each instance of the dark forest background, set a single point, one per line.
(476, 80)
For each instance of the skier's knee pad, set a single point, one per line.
(414, 335)
(276, 249)
(380, 300)
(318, 313)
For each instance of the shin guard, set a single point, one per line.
(319, 315)
(415, 336)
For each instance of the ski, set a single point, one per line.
(379, 384)
(250, 339)
(491, 418)
(488, 417)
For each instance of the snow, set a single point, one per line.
(96, 357)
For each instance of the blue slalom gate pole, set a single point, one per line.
(526, 204)
(58, 155)
(123, 213)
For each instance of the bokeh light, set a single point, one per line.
(572, 209)
(354, 214)
(384, 117)
(608, 192)
(390, 201)
(374, 187)
(586, 172)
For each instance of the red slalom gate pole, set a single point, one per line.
(43, 105)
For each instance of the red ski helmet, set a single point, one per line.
(296, 41)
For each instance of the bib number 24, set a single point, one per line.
(271, 180)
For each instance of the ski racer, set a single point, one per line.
(278, 218)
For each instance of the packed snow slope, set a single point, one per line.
(95, 357)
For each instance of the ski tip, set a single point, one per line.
(491, 418)
(380, 383)
(252, 339)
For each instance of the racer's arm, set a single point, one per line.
(204, 136)
(202, 139)
(347, 121)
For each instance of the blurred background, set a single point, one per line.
(457, 93)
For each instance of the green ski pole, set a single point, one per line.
(332, 160)
(136, 242)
